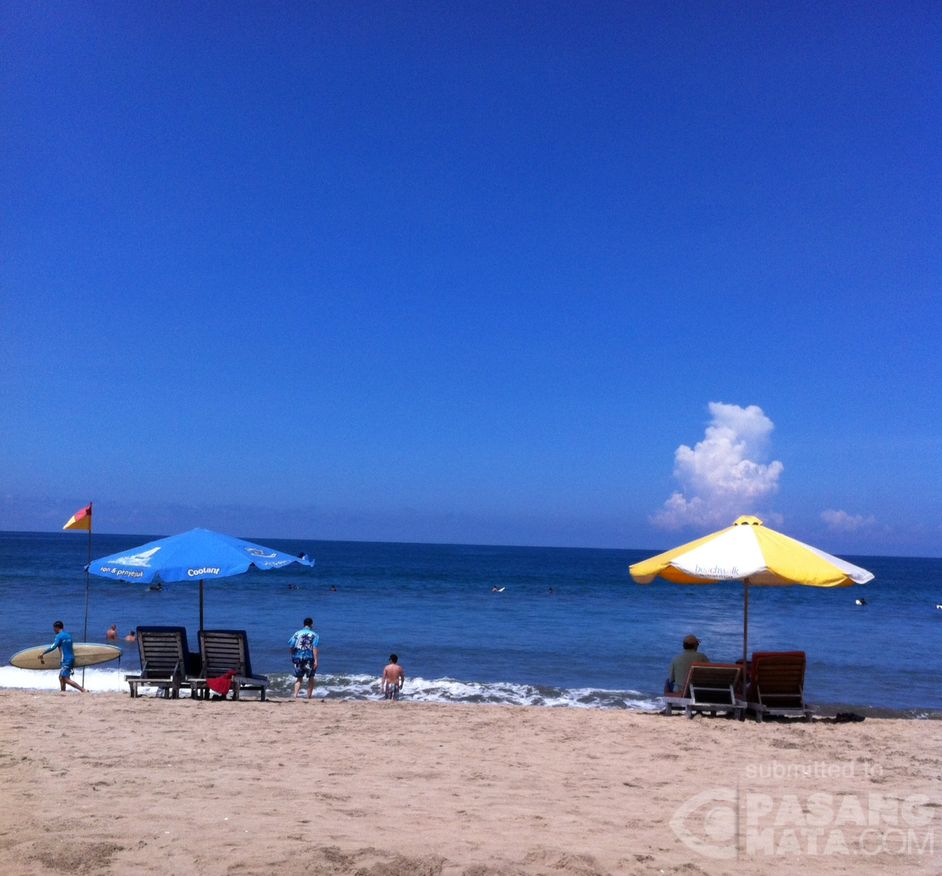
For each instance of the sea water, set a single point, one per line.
(570, 628)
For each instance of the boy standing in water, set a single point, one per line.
(304, 655)
(63, 642)
(393, 678)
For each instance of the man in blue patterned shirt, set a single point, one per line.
(63, 642)
(304, 654)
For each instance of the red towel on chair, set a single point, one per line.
(221, 685)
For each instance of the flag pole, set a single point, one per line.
(85, 625)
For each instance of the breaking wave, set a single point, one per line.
(452, 690)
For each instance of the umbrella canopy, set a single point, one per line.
(752, 553)
(192, 556)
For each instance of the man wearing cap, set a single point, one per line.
(680, 666)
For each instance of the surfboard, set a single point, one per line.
(86, 654)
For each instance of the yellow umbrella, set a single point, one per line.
(752, 553)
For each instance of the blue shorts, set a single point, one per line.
(304, 667)
(65, 670)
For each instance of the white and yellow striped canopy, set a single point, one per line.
(747, 550)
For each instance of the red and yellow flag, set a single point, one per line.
(81, 519)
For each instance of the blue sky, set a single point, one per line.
(473, 272)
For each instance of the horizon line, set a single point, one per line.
(651, 551)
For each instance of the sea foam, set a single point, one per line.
(452, 690)
(96, 679)
(368, 687)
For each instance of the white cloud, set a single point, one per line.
(722, 476)
(841, 521)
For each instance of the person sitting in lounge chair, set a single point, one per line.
(680, 666)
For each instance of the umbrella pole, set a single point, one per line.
(201, 605)
(745, 634)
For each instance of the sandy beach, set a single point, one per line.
(106, 784)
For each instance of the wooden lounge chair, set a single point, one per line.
(710, 687)
(165, 660)
(777, 685)
(225, 650)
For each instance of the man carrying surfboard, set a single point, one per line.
(63, 642)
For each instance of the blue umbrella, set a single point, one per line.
(199, 554)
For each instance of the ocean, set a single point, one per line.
(569, 629)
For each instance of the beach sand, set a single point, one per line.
(101, 783)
